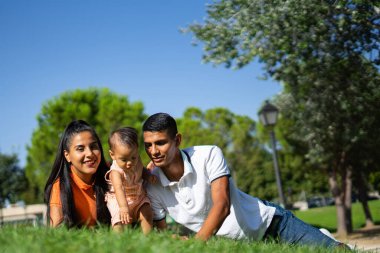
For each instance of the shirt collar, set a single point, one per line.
(79, 182)
(187, 169)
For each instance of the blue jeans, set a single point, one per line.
(287, 228)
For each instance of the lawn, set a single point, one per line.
(27, 239)
(40, 239)
(326, 216)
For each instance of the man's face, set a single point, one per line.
(160, 148)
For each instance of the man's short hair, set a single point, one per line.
(161, 122)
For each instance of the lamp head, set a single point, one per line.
(268, 114)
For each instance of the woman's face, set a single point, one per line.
(84, 155)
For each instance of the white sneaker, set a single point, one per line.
(326, 232)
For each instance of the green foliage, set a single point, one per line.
(339, 112)
(298, 175)
(29, 239)
(250, 164)
(301, 173)
(281, 33)
(374, 180)
(12, 179)
(325, 53)
(101, 108)
(322, 51)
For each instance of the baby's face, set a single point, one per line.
(125, 156)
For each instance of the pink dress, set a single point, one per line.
(134, 192)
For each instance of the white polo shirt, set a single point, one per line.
(189, 201)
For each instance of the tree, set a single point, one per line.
(12, 179)
(340, 126)
(101, 108)
(302, 177)
(320, 51)
(236, 135)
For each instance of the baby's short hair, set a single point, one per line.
(124, 135)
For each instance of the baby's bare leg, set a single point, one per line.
(146, 218)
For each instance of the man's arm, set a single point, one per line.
(220, 194)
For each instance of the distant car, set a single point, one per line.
(319, 201)
(372, 197)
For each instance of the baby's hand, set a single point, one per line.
(152, 179)
(124, 215)
(150, 165)
(180, 237)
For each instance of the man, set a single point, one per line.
(196, 190)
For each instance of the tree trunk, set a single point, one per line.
(362, 195)
(1, 212)
(368, 217)
(348, 197)
(339, 203)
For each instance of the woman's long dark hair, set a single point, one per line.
(61, 171)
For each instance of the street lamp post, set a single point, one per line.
(268, 117)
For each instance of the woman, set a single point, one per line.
(75, 190)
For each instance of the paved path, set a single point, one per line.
(366, 239)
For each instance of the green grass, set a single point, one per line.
(326, 216)
(34, 239)
(26, 239)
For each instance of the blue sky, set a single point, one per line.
(132, 47)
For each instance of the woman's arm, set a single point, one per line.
(116, 179)
(56, 215)
(55, 206)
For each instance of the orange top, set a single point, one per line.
(84, 200)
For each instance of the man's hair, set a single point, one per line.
(161, 122)
(125, 136)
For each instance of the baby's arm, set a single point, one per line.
(116, 179)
